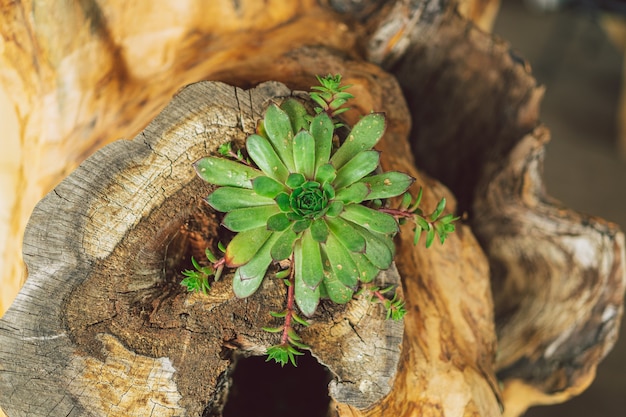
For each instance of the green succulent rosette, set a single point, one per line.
(302, 198)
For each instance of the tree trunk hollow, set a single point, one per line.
(516, 309)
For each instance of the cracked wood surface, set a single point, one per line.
(136, 178)
(496, 177)
(120, 338)
(76, 76)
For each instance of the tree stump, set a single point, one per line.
(117, 336)
(76, 77)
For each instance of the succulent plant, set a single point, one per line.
(307, 202)
(303, 196)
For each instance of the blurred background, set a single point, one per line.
(572, 55)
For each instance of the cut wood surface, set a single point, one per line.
(76, 76)
(120, 315)
(557, 277)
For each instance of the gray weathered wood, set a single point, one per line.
(474, 113)
(97, 247)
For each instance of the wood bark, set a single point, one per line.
(133, 342)
(76, 76)
(472, 122)
(557, 276)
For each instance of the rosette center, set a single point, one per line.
(309, 200)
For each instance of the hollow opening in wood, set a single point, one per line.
(262, 388)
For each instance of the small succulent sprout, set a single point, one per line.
(197, 279)
(303, 200)
(330, 95)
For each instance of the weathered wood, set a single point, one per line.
(128, 339)
(558, 276)
(474, 112)
(449, 345)
(91, 302)
(76, 76)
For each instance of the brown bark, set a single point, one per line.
(124, 308)
(472, 120)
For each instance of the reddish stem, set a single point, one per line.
(238, 158)
(219, 262)
(380, 296)
(290, 305)
(396, 212)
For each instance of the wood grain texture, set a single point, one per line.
(76, 76)
(445, 363)
(68, 91)
(558, 276)
(558, 285)
(120, 338)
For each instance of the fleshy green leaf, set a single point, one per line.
(346, 234)
(225, 172)
(379, 249)
(295, 180)
(301, 225)
(338, 102)
(329, 191)
(297, 114)
(322, 130)
(362, 164)
(294, 216)
(308, 260)
(209, 255)
(248, 218)
(299, 319)
(304, 153)
(365, 134)
(373, 220)
(367, 270)
(336, 291)
(341, 263)
(283, 247)
(307, 299)
(448, 219)
(282, 354)
(325, 173)
(248, 277)
(267, 187)
(430, 237)
(418, 233)
(406, 201)
(278, 128)
(319, 100)
(334, 209)
(278, 222)
(389, 184)
(282, 200)
(272, 329)
(353, 194)
(245, 245)
(418, 200)
(421, 223)
(266, 158)
(225, 199)
(440, 207)
(319, 230)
